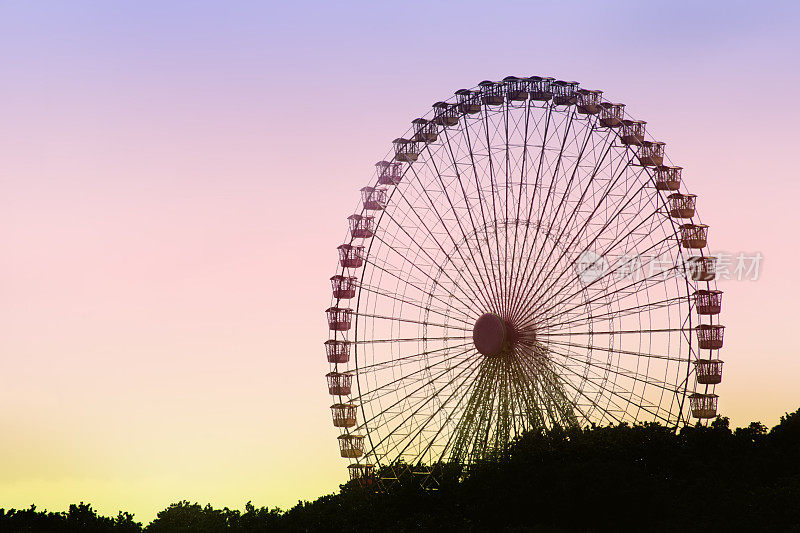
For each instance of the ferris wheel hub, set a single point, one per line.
(490, 334)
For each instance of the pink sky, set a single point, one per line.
(175, 182)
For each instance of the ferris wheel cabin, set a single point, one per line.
(651, 154)
(516, 88)
(344, 415)
(703, 405)
(588, 101)
(708, 371)
(344, 287)
(339, 319)
(668, 178)
(564, 92)
(492, 92)
(709, 337)
(351, 446)
(632, 132)
(339, 383)
(694, 235)
(539, 88)
(389, 172)
(702, 268)
(611, 115)
(337, 352)
(361, 471)
(469, 102)
(445, 114)
(708, 302)
(361, 227)
(406, 150)
(425, 131)
(373, 198)
(351, 256)
(681, 205)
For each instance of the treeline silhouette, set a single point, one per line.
(611, 478)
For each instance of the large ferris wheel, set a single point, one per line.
(526, 257)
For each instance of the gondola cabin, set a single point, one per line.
(351, 256)
(588, 101)
(564, 92)
(339, 318)
(611, 115)
(681, 205)
(344, 415)
(361, 227)
(337, 351)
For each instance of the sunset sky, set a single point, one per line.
(175, 178)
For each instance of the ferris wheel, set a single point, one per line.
(526, 257)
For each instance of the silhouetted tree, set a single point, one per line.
(600, 478)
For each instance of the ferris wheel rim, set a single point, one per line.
(465, 317)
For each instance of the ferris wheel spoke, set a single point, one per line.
(629, 311)
(453, 144)
(554, 216)
(553, 383)
(443, 367)
(536, 186)
(468, 392)
(382, 423)
(437, 352)
(384, 389)
(550, 316)
(455, 284)
(580, 392)
(550, 190)
(476, 412)
(612, 183)
(522, 177)
(620, 332)
(410, 321)
(615, 351)
(441, 220)
(448, 305)
(630, 375)
(530, 285)
(388, 422)
(545, 266)
(447, 424)
(576, 275)
(621, 293)
(620, 395)
(493, 282)
(493, 188)
(424, 425)
(408, 339)
(447, 257)
(540, 304)
(521, 129)
(494, 193)
(511, 128)
(529, 396)
(438, 311)
(478, 284)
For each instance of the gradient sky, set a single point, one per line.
(176, 177)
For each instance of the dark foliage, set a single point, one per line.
(79, 518)
(616, 478)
